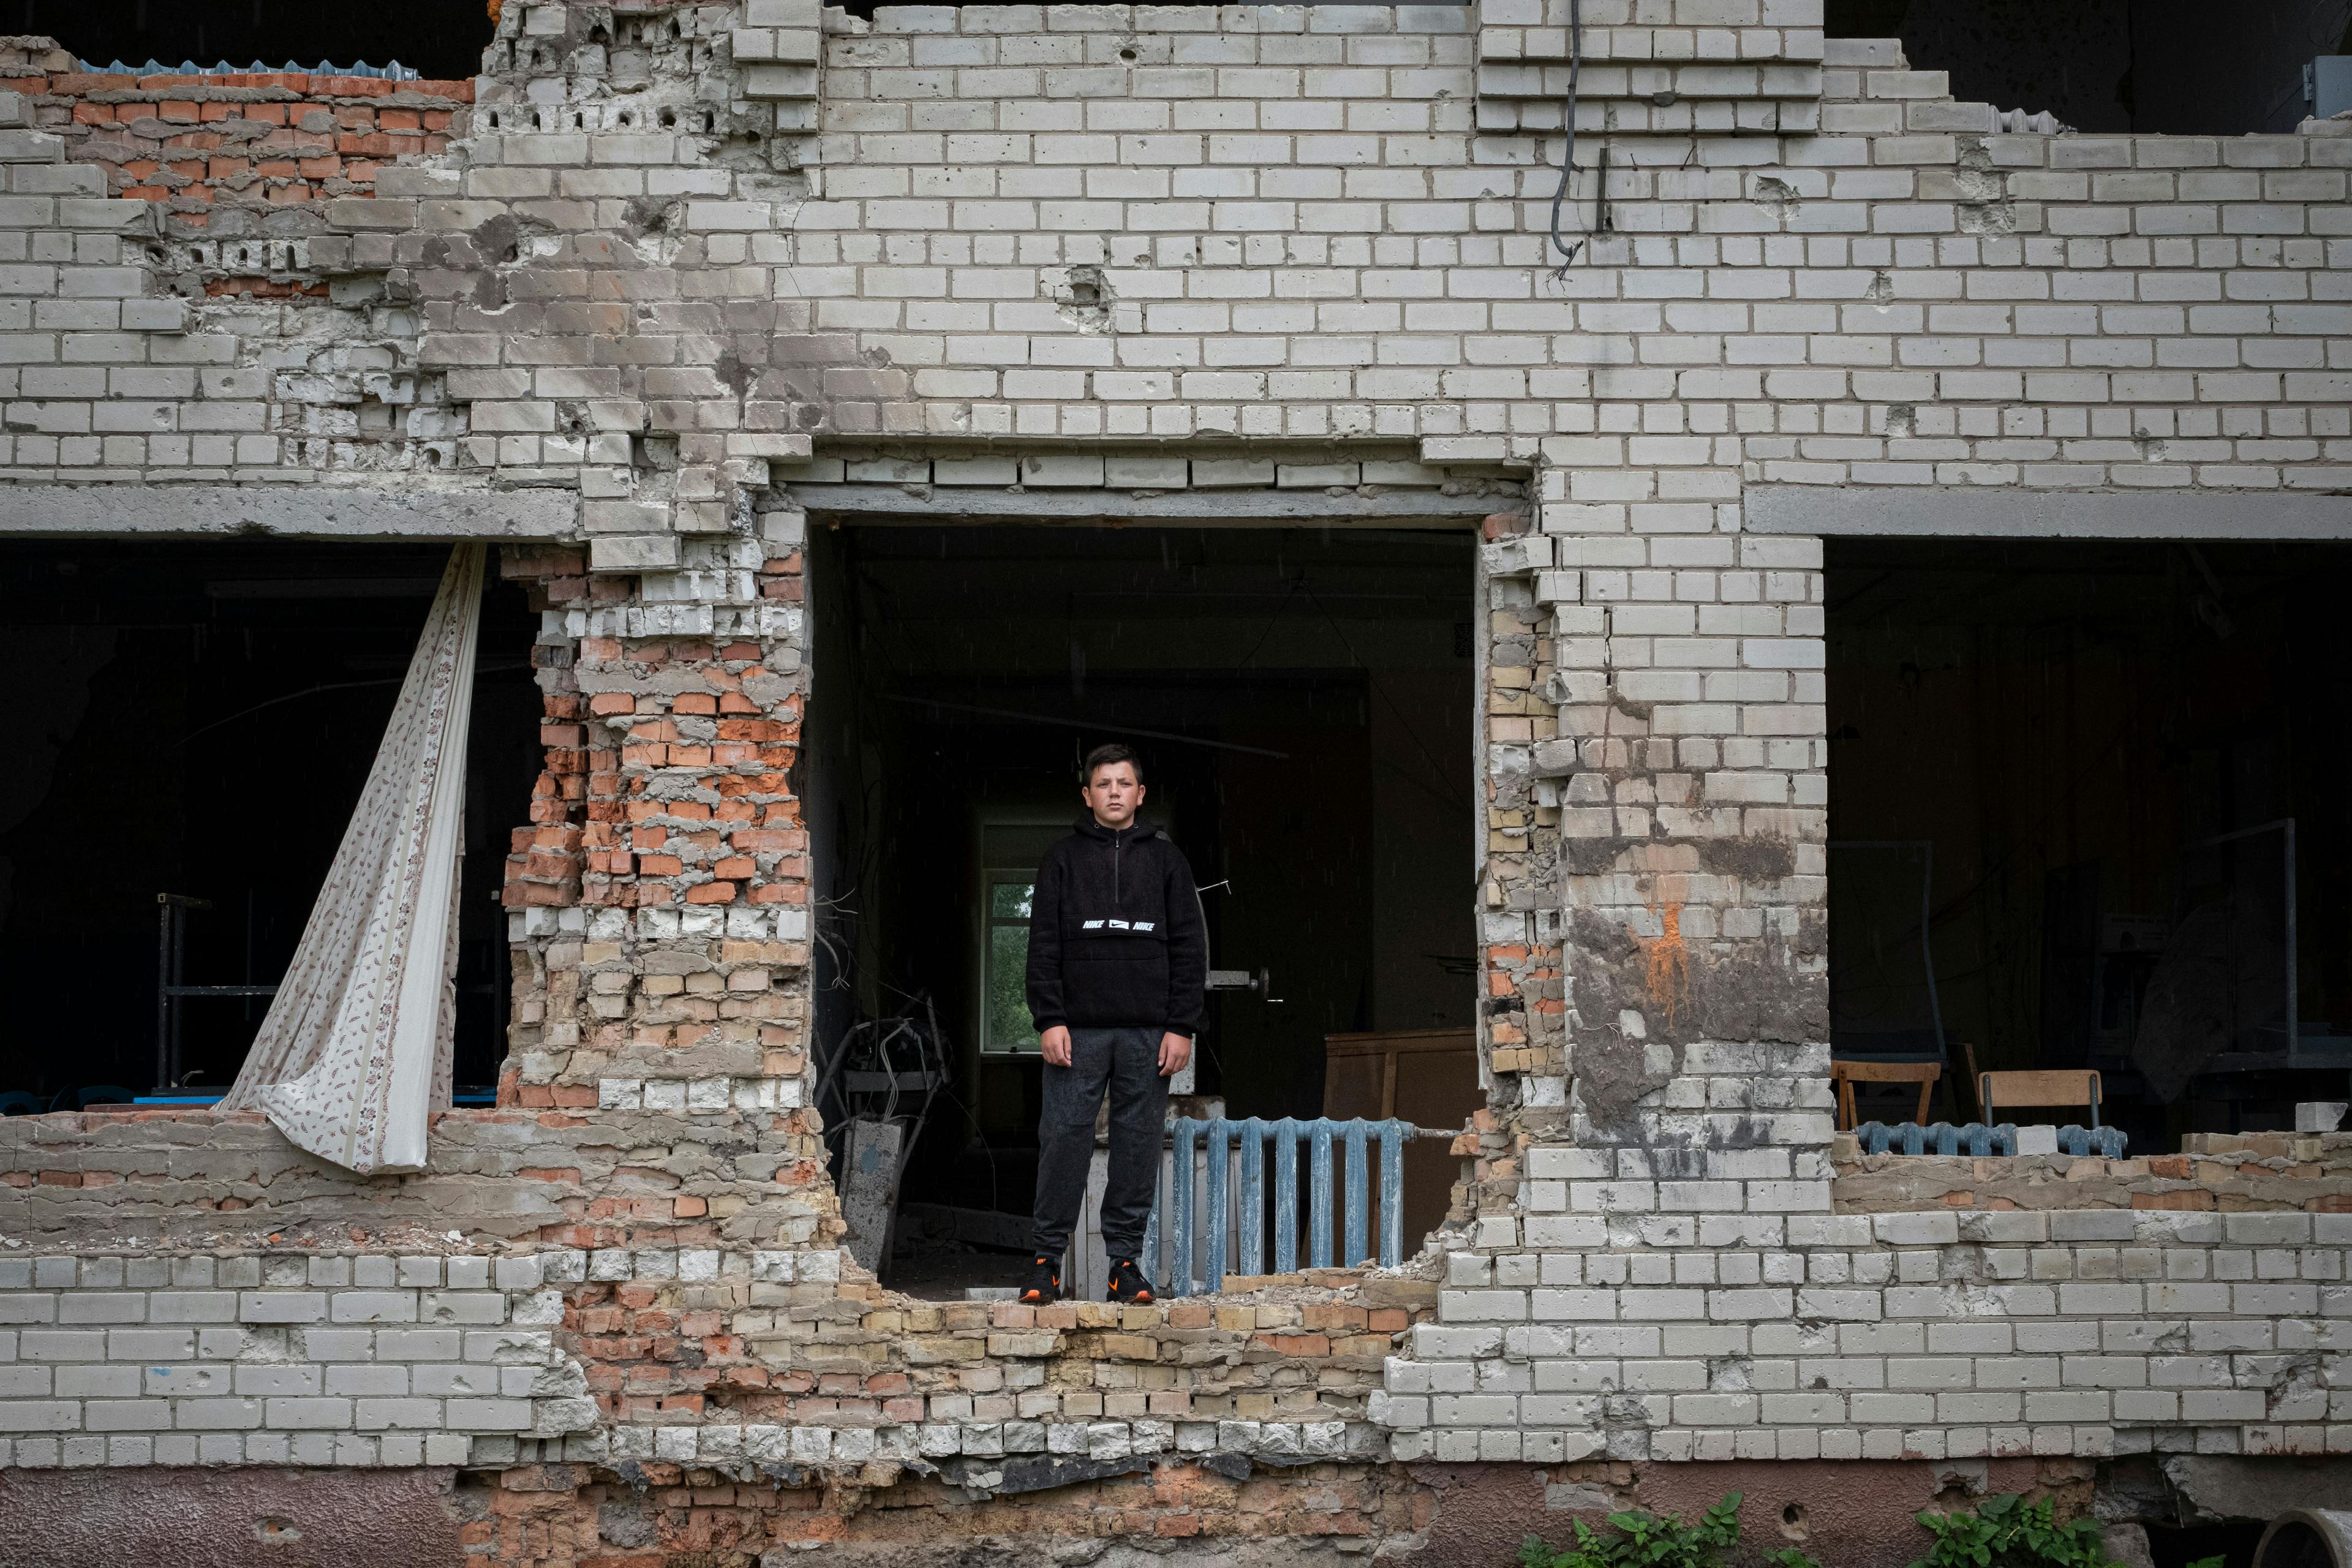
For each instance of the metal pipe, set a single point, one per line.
(1392, 1136)
(1358, 1200)
(1151, 1260)
(162, 992)
(1319, 1213)
(1214, 1270)
(179, 967)
(1180, 1199)
(1252, 1196)
(1286, 1196)
(1926, 945)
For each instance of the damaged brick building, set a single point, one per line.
(846, 410)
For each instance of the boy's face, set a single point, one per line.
(1112, 792)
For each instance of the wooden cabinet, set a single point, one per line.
(1427, 1076)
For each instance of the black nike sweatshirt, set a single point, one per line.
(1115, 937)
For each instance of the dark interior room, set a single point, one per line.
(197, 720)
(1301, 700)
(2162, 68)
(442, 39)
(2082, 760)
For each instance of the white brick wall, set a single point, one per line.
(357, 1360)
(1938, 1335)
(1058, 242)
(1298, 228)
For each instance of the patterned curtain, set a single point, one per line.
(353, 1056)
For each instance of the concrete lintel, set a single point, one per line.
(291, 512)
(1892, 512)
(1190, 509)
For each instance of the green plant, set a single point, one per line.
(2010, 1532)
(1647, 1541)
(1797, 1557)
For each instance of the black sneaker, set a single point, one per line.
(1127, 1284)
(1045, 1283)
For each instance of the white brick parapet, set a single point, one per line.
(1924, 1335)
(372, 1359)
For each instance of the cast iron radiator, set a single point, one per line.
(1228, 1159)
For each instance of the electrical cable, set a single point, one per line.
(331, 686)
(1568, 253)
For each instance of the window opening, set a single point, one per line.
(2062, 775)
(199, 718)
(1303, 701)
(2167, 68)
(1004, 1015)
(439, 39)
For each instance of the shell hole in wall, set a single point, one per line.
(1354, 906)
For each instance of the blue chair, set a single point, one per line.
(16, 1102)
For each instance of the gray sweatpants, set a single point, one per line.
(1126, 1063)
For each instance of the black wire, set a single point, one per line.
(1250, 658)
(1568, 151)
(330, 686)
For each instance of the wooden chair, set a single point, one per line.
(2045, 1086)
(1845, 1075)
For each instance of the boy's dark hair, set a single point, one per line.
(1111, 755)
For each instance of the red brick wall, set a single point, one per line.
(205, 144)
(602, 837)
(543, 1516)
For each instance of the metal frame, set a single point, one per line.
(1984, 1090)
(171, 951)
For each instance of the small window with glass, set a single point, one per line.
(1005, 1017)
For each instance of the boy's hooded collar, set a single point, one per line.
(1087, 827)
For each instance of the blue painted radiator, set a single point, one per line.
(1976, 1138)
(1215, 1205)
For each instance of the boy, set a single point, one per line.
(1118, 967)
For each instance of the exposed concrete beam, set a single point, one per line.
(1905, 513)
(290, 511)
(1189, 508)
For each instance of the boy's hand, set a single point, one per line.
(1055, 1043)
(1175, 1050)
